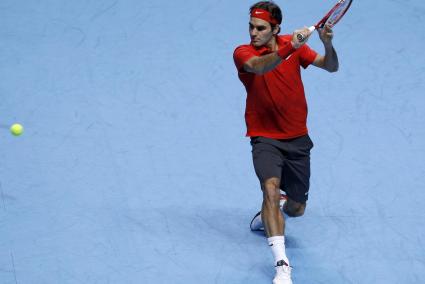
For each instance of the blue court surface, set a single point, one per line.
(134, 168)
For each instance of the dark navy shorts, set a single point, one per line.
(288, 160)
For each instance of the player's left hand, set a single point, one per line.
(326, 34)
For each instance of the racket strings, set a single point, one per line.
(337, 14)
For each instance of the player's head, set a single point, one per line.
(264, 23)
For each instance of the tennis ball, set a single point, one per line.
(16, 129)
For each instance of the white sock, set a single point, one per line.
(277, 244)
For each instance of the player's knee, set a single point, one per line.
(296, 210)
(300, 211)
(271, 184)
(271, 192)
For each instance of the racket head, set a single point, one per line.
(335, 14)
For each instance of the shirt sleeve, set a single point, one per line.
(307, 56)
(241, 55)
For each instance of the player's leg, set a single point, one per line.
(293, 208)
(296, 173)
(257, 223)
(268, 162)
(274, 226)
(273, 221)
(296, 180)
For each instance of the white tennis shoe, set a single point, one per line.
(257, 223)
(283, 273)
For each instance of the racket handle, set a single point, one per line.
(301, 37)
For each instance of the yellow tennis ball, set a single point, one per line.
(16, 129)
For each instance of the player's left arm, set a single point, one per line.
(329, 62)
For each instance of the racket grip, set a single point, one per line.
(301, 37)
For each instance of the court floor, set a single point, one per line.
(134, 168)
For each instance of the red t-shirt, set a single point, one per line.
(276, 106)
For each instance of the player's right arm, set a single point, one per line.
(262, 64)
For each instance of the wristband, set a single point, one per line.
(286, 50)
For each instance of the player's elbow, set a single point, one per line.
(253, 68)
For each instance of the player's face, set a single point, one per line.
(260, 31)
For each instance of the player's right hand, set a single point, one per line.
(305, 32)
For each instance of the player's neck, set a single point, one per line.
(272, 44)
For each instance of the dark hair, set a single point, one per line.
(272, 8)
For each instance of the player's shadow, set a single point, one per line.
(291, 242)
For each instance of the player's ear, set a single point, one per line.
(276, 29)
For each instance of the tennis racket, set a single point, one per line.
(331, 18)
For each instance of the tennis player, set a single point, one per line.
(276, 115)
